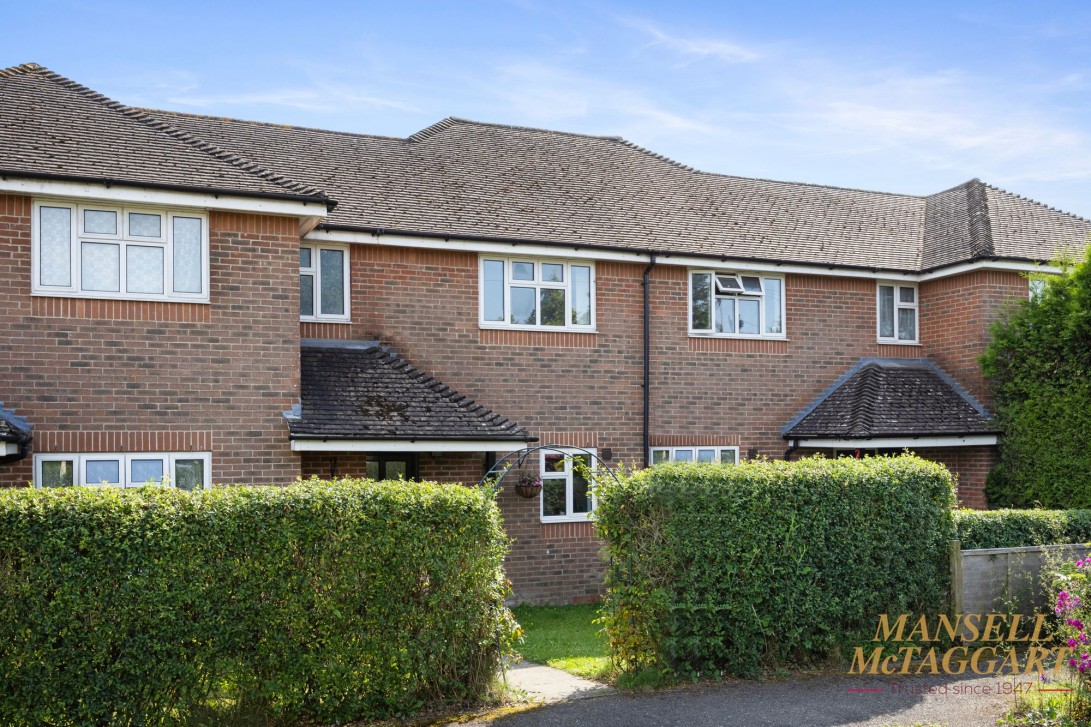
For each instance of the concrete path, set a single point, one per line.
(800, 702)
(549, 685)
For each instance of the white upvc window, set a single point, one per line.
(128, 253)
(898, 313)
(536, 294)
(1035, 288)
(324, 283)
(725, 455)
(566, 485)
(184, 470)
(736, 305)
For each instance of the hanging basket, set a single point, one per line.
(528, 485)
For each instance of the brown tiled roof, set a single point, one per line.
(891, 398)
(362, 391)
(53, 127)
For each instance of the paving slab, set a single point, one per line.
(549, 685)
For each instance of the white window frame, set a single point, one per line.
(569, 453)
(315, 270)
(693, 450)
(898, 305)
(711, 332)
(538, 284)
(123, 240)
(1036, 286)
(124, 460)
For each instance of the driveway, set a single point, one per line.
(816, 702)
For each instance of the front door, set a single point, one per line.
(392, 466)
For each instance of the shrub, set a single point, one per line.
(1039, 367)
(1021, 528)
(737, 567)
(318, 602)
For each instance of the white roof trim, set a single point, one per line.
(577, 252)
(163, 197)
(974, 440)
(389, 445)
(9, 448)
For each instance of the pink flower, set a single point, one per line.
(1072, 643)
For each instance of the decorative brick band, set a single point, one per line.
(588, 440)
(336, 331)
(568, 531)
(121, 310)
(738, 345)
(80, 441)
(15, 206)
(694, 440)
(543, 339)
(894, 350)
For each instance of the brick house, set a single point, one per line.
(200, 300)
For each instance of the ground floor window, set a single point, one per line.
(392, 466)
(566, 485)
(726, 455)
(184, 470)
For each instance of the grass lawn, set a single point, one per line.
(564, 637)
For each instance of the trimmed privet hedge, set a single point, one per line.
(319, 602)
(1021, 528)
(736, 568)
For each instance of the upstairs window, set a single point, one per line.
(897, 313)
(736, 305)
(98, 251)
(725, 455)
(529, 293)
(184, 470)
(323, 283)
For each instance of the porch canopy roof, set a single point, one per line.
(358, 396)
(883, 402)
(14, 432)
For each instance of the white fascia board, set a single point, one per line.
(9, 449)
(163, 197)
(386, 445)
(974, 440)
(575, 251)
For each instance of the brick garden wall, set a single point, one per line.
(108, 376)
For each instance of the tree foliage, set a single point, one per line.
(1039, 367)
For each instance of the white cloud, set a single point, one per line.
(319, 99)
(696, 48)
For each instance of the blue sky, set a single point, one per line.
(910, 97)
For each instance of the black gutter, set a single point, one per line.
(214, 191)
(647, 357)
(869, 437)
(788, 452)
(24, 450)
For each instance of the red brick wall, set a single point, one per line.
(971, 465)
(97, 376)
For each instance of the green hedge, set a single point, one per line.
(1021, 528)
(321, 602)
(721, 568)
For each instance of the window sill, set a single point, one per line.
(537, 329)
(582, 518)
(888, 342)
(303, 319)
(114, 296)
(736, 337)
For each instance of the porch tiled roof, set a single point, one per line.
(13, 428)
(892, 398)
(362, 391)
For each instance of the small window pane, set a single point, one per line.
(101, 266)
(886, 311)
(372, 469)
(1037, 287)
(728, 456)
(701, 301)
(774, 316)
(907, 324)
(553, 307)
(143, 269)
(907, 295)
(523, 310)
(57, 473)
(332, 264)
(553, 462)
(187, 255)
(395, 469)
(522, 271)
(660, 455)
(306, 295)
(706, 455)
(728, 284)
(143, 225)
(494, 290)
(100, 222)
(581, 295)
(189, 474)
(99, 471)
(581, 492)
(749, 316)
(554, 496)
(683, 455)
(144, 471)
(751, 285)
(304, 257)
(552, 273)
(55, 251)
(725, 315)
